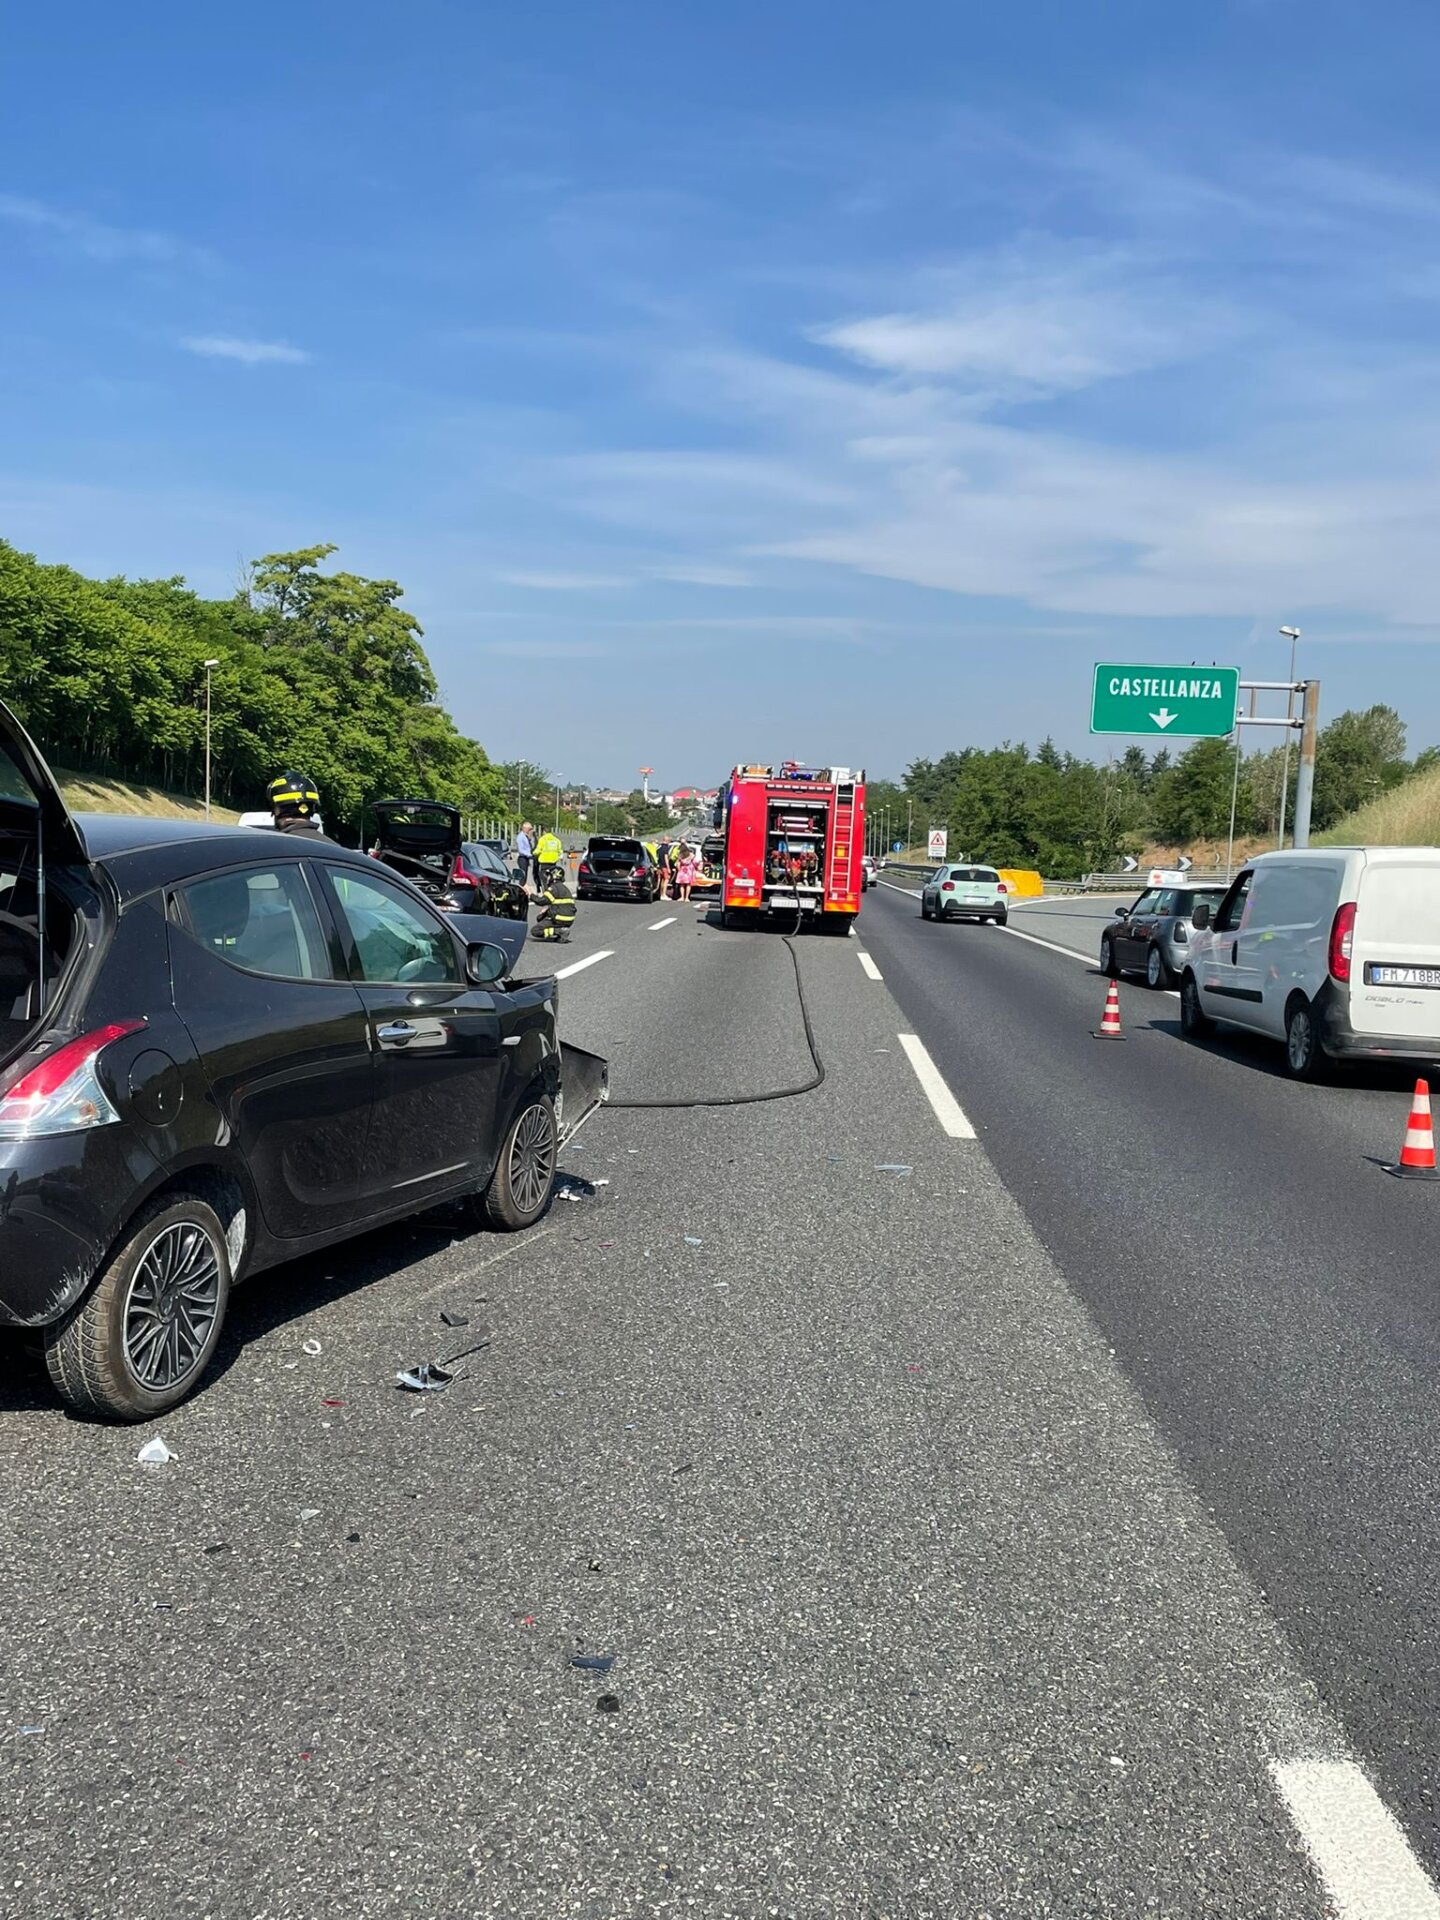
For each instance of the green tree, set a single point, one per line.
(1192, 798)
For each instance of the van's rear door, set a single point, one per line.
(1395, 957)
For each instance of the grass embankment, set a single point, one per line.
(1407, 816)
(92, 793)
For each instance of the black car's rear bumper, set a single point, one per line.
(62, 1203)
(614, 889)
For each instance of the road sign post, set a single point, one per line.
(1169, 702)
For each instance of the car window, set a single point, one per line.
(483, 859)
(262, 919)
(1186, 903)
(1165, 901)
(1232, 909)
(1146, 902)
(395, 938)
(984, 875)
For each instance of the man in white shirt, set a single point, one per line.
(524, 849)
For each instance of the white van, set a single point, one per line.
(1334, 951)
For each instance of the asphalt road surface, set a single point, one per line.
(1037, 1524)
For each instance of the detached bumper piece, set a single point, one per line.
(584, 1088)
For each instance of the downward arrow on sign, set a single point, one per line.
(1164, 717)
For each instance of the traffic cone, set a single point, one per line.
(1110, 1023)
(1417, 1156)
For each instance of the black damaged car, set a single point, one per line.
(422, 839)
(216, 1055)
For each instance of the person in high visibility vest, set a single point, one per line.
(549, 857)
(557, 909)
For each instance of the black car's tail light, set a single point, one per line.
(461, 876)
(63, 1094)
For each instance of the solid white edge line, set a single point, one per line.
(1356, 1843)
(869, 965)
(914, 892)
(1170, 993)
(947, 1108)
(662, 923)
(579, 966)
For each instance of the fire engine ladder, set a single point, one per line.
(840, 848)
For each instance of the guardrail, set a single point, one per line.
(1087, 883)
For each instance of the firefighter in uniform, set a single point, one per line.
(557, 907)
(294, 803)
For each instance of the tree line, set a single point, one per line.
(321, 672)
(1066, 815)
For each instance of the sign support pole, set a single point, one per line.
(1305, 779)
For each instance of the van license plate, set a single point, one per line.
(1376, 976)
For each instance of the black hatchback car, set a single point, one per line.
(614, 867)
(220, 1050)
(422, 840)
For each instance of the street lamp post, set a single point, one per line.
(210, 666)
(1292, 634)
(909, 824)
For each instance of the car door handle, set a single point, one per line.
(399, 1031)
(1234, 953)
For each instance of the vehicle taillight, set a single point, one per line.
(947, 886)
(63, 1094)
(1342, 941)
(461, 876)
(584, 866)
(1001, 887)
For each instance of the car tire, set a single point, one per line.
(1002, 919)
(1304, 1055)
(142, 1337)
(1195, 1023)
(924, 910)
(1157, 969)
(524, 1177)
(1107, 958)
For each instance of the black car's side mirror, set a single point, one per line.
(1200, 918)
(486, 964)
(1122, 913)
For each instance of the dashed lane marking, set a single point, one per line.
(1356, 1843)
(947, 1108)
(869, 965)
(662, 923)
(579, 966)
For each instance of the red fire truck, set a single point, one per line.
(794, 837)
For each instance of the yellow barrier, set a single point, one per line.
(1028, 885)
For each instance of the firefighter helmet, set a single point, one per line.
(293, 793)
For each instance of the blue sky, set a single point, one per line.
(736, 381)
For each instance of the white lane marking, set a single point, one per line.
(579, 966)
(914, 892)
(947, 1108)
(1355, 1841)
(1170, 993)
(869, 965)
(662, 923)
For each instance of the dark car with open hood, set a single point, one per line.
(217, 1054)
(422, 839)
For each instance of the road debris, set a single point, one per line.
(454, 1320)
(220, 1546)
(893, 1166)
(155, 1453)
(310, 1513)
(608, 1703)
(313, 1348)
(353, 1539)
(424, 1378)
(691, 1241)
(26, 1732)
(593, 1662)
(332, 1403)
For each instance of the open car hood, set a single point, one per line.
(473, 928)
(420, 829)
(26, 782)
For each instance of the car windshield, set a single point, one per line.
(1187, 902)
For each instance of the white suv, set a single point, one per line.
(1332, 951)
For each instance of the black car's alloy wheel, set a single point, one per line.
(1157, 973)
(144, 1334)
(1107, 956)
(519, 1189)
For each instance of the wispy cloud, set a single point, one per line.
(563, 582)
(250, 353)
(1024, 326)
(96, 239)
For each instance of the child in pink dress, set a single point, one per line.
(686, 874)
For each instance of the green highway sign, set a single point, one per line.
(1167, 700)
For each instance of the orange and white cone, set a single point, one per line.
(1110, 1022)
(1417, 1156)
